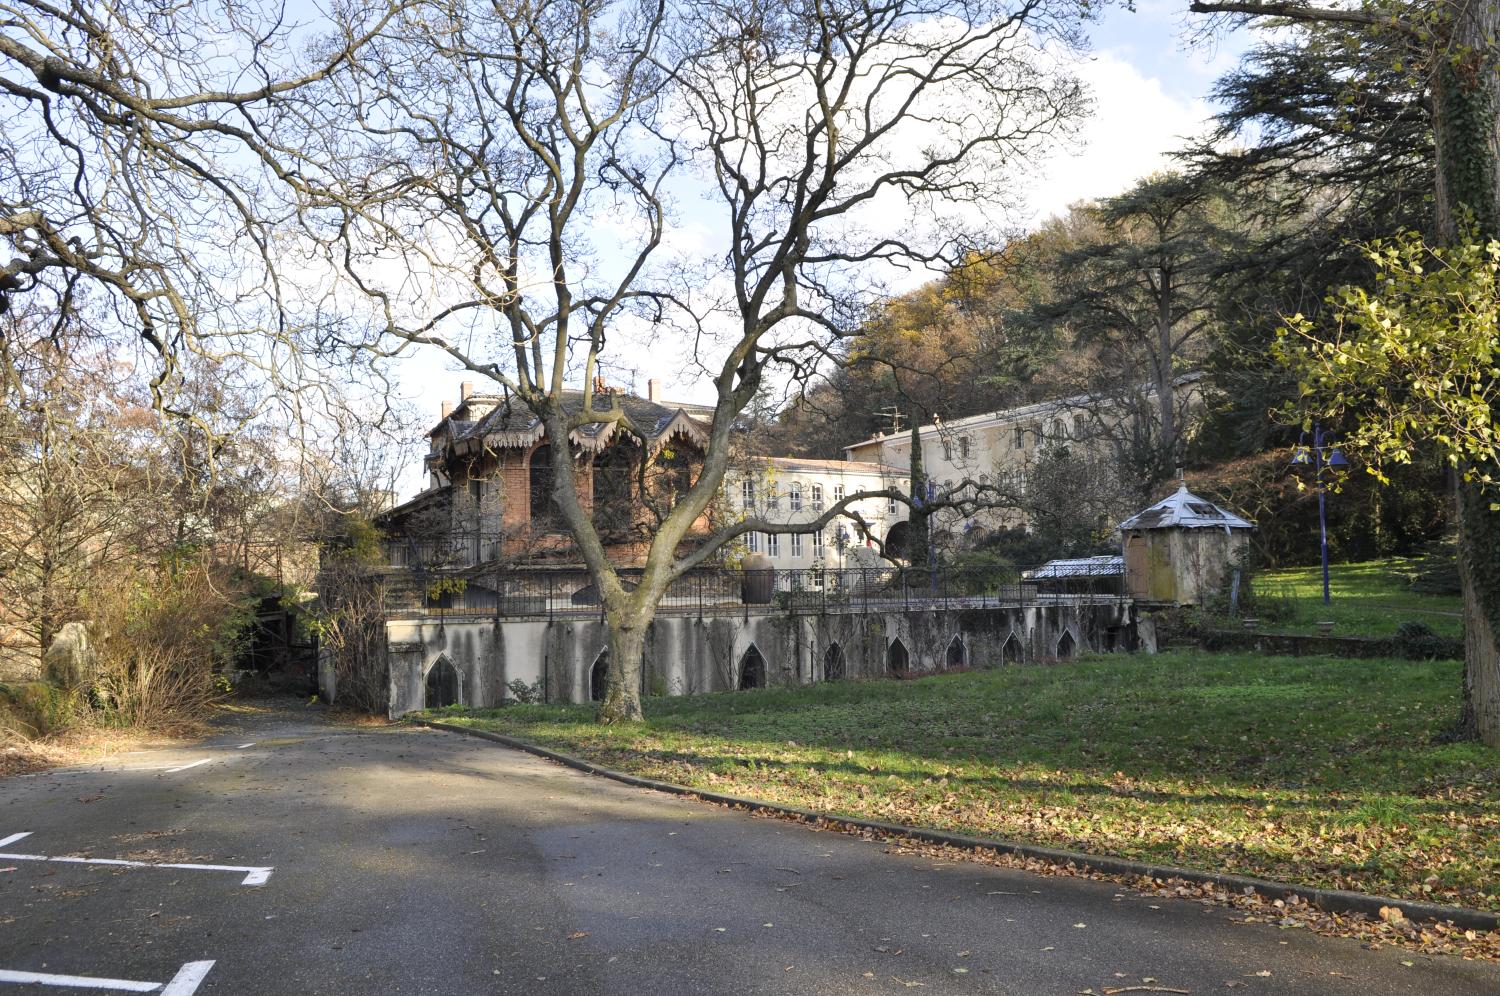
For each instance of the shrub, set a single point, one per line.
(524, 693)
(1416, 641)
(35, 709)
(164, 636)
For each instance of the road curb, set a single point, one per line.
(1328, 900)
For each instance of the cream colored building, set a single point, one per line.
(792, 489)
(1001, 447)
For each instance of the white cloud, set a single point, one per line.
(1135, 126)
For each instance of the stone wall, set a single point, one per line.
(687, 655)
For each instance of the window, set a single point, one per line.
(773, 500)
(963, 447)
(773, 545)
(891, 507)
(752, 540)
(948, 450)
(796, 544)
(794, 497)
(817, 539)
(1020, 438)
(747, 494)
(838, 492)
(540, 474)
(817, 497)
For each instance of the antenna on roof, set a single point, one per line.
(894, 414)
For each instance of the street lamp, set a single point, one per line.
(1322, 455)
(841, 543)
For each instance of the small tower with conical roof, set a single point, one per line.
(1181, 549)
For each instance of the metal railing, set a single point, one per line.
(509, 592)
(450, 551)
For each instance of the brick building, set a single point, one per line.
(490, 467)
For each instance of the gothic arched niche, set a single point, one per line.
(442, 685)
(833, 663)
(752, 669)
(599, 676)
(897, 659)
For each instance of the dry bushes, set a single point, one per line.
(164, 637)
(350, 618)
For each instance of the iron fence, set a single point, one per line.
(451, 551)
(508, 592)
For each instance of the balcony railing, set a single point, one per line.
(508, 592)
(452, 551)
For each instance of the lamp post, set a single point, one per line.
(1323, 455)
(841, 543)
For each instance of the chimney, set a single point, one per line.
(465, 389)
(447, 408)
(653, 389)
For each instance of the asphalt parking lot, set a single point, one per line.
(290, 855)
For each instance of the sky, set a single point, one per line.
(1151, 92)
(1150, 88)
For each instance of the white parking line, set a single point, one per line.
(184, 983)
(102, 769)
(77, 981)
(173, 771)
(253, 875)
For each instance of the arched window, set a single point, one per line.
(669, 476)
(833, 663)
(599, 676)
(752, 669)
(541, 484)
(442, 685)
(614, 497)
(958, 654)
(897, 660)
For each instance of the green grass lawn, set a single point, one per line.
(1368, 599)
(1306, 769)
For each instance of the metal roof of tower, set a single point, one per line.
(1185, 510)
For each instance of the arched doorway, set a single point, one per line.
(540, 476)
(752, 669)
(599, 676)
(897, 660)
(1066, 645)
(833, 663)
(1010, 651)
(442, 685)
(957, 655)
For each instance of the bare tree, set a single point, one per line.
(137, 173)
(515, 167)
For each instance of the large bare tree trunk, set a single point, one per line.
(627, 649)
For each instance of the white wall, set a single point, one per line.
(775, 484)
